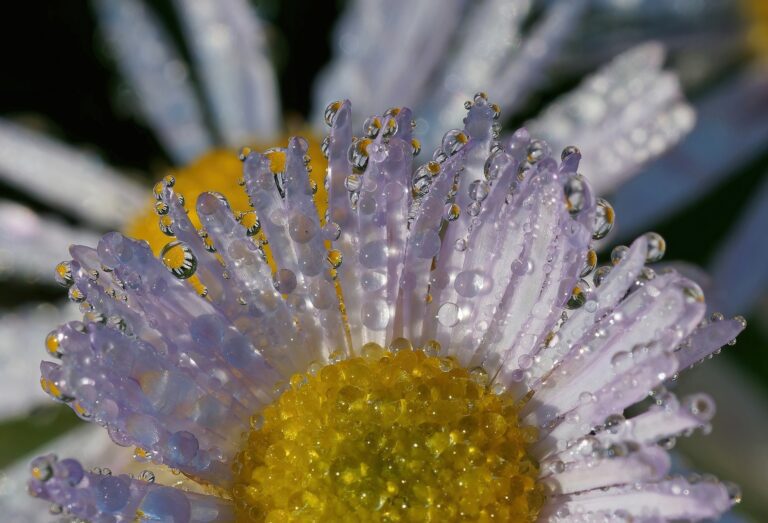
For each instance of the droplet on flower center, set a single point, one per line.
(388, 437)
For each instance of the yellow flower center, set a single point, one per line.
(388, 437)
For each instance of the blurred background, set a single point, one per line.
(707, 195)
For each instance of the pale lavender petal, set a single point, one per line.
(156, 71)
(625, 114)
(740, 268)
(732, 129)
(228, 43)
(31, 244)
(65, 178)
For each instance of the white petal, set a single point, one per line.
(229, 47)
(65, 178)
(31, 245)
(22, 336)
(154, 68)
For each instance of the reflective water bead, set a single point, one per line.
(575, 193)
(618, 253)
(415, 146)
(357, 154)
(478, 190)
(590, 262)
(161, 208)
(302, 228)
(448, 314)
(331, 110)
(453, 141)
(579, 295)
(469, 283)
(375, 314)
(451, 211)
(569, 150)
(284, 281)
(353, 182)
(250, 221)
(334, 258)
(372, 126)
(179, 259)
(656, 247)
(325, 147)
(63, 274)
(600, 274)
(604, 219)
(389, 129)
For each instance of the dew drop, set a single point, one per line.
(179, 259)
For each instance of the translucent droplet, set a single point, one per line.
(575, 194)
(590, 262)
(302, 228)
(63, 274)
(448, 314)
(478, 190)
(415, 146)
(569, 150)
(353, 182)
(179, 259)
(325, 147)
(460, 245)
(579, 295)
(372, 126)
(469, 283)
(656, 247)
(334, 258)
(426, 244)
(331, 110)
(166, 225)
(374, 254)
(600, 274)
(619, 253)
(453, 141)
(250, 222)
(284, 281)
(390, 128)
(357, 154)
(331, 231)
(451, 212)
(375, 314)
(161, 208)
(604, 219)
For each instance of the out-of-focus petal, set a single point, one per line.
(740, 268)
(733, 129)
(22, 333)
(154, 68)
(31, 245)
(624, 114)
(228, 43)
(66, 178)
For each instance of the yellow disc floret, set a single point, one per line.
(388, 437)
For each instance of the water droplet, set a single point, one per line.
(250, 222)
(374, 254)
(302, 228)
(579, 295)
(469, 283)
(575, 194)
(656, 247)
(375, 314)
(478, 190)
(161, 208)
(600, 274)
(372, 126)
(63, 274)
(284, 281)
(453, 141)
(415, 146)
(448, 314)
(357, 154)
(353, 182)
(426, 244)
(619, 253)
(569, 150)
(590, 262)
(334, 258)
(331, 110)
(451, 212)
(604, 219)
(460, 245)
(179, 259)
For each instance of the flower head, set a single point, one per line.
(436, 344)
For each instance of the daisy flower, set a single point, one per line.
(403, 343)
(626, 113)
